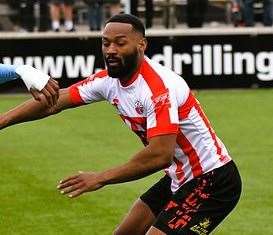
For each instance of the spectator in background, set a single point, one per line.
(5, 11)
(267, 12)
(112, 7)
(149, 11)
(94, 14)
(27, 19)
(66, 7)
(237, 13)
(195, 12)
(26, 15)
(44, 20)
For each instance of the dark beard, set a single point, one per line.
(125, 68)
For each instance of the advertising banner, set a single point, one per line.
(204, 61)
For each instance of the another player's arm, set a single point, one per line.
(36, 81)
(33, 110)
(154, 157)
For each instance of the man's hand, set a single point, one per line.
(50, 91)
(75, 185)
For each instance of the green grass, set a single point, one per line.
(36, 155)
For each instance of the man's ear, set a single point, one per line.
(143, 44)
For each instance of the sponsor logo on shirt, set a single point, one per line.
(162, 99)
(201, 228)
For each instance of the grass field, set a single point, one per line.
(36, 155)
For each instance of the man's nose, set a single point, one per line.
(112, 49)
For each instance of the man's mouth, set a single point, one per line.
(113, 62)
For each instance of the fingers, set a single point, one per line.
(73, 186)
(68, 183)
(55, 86)
(51, 92)
(76, 193)
(68, 179)
(54, 83)
(35, 94)
(73, 190)
(48, 96)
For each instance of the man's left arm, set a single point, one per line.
(154, 157)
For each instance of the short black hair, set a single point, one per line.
(129, 19)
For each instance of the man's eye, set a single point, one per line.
(121, 43)
(106, 44)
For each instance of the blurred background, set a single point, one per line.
(82, 15)
(211, 43)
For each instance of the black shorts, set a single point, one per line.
(66, 2)
(199, 205)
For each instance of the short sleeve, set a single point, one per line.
(89, 90)
(162, 114)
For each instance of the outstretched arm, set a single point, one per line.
(7, 73)
(36, 81)
(154, 157)
(32, 110)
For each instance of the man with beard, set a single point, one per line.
(201, 185)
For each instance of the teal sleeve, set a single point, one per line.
(7, 73)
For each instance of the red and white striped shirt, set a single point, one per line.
(156, 101)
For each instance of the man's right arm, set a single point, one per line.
(33, 110)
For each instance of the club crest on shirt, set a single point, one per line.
(139, 107)
(115, 102)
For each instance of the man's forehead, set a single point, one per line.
(117, 29)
